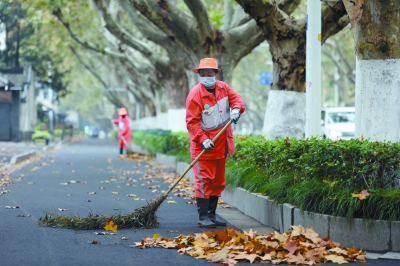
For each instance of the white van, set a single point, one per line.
(338, 122)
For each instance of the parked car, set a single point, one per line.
(94, 132)
(338, 122)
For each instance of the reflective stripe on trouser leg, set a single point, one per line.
(199, 189)
(210, 178)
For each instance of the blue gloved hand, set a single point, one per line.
(208, 145)
(235, 115)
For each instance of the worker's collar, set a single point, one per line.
(209, 92)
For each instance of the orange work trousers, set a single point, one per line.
(210, 177)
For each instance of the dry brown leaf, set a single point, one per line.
(336, 259)
(362, 195)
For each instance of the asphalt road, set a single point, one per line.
(89, 164)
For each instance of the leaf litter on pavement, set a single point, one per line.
(230, 246)
(154, 174)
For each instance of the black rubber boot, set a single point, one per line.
(202, 208)
(121, 151)
(212, 207)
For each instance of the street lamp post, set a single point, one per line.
(313, 69)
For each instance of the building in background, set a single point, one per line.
(17, 103)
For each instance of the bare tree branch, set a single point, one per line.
(334, 19)
(125, 37)
(168, 18)
(199, 11)
(228, 11)
(267, 15)
(239, 17)
(288, 6)
(112, 98)
(152, 32)
(249, 32)
(58, 13)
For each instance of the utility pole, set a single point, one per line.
(313, 69)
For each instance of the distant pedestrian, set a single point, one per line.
(209, 106)
(124, 130)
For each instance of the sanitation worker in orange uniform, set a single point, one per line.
(124, 130)
(209, 106)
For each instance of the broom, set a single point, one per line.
(143, 217)
(147, 212)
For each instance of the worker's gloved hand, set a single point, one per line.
(208, 145)
(235, 115)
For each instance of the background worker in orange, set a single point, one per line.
(124, 129)
(209, 106)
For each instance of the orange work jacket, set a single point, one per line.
(207, 114)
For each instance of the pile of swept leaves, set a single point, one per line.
(135, 156)
(229, 246)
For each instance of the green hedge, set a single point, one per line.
(166, 142)
(320, 175)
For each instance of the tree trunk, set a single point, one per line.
(377, 46)
(284, 115)
(286, 37)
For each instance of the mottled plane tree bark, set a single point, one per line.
(376, 34)
(187, 37)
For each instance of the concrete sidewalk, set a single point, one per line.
(16, 152)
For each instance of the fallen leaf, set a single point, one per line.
(291, 247)
(31, 183)
(110, 226)
(336, 259)
(101, 188)
(88, 200)
(219, 255)
(25, 215)
(114, 192)
(137, 199)
(124, 238)
(130, 195)
(171, 202)
(92, 193)
(362, 195)
(12, 207)
(95, 242)
(62, 209)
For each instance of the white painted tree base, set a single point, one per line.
(379, 109)
(285, 115)
(174, 120)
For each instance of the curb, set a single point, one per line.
(52, 146)
(22, 156)
(281, 216)
(26, 155)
